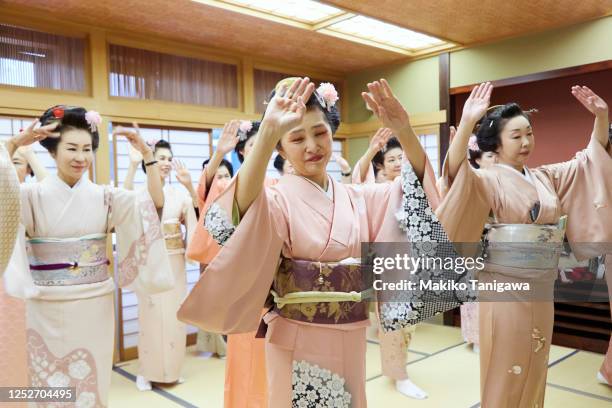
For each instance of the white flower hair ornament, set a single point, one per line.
(94, 120)
(243, 130)
(327, 95)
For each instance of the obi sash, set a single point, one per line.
(525, 246)
(173, 236)
(66, 262)
(319, 292)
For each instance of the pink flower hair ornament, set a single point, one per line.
(94, 120)
(327, 95)
(473, 144)
(244, 128)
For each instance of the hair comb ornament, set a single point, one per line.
(94, 120)
(244, 129)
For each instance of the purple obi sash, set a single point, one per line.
(320, 277)
(65, 262)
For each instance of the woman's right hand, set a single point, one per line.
(477, 103)
(35, 133)
(286, 109)
(229, 137)
(379, 140)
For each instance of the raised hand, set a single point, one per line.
(386, 106)
(229, 137)
(135, 155)
(286, 110)
(182, 173)
(380, 139)
(35, 133)
(477, 103)
(133, 136)
(590, 100)
(344, 165)
(452, 134)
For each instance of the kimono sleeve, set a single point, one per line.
(9, 207)
(358, 178)
(189, 218)
(584, 188)
(465, 205)
(385, 203)
(143, 263)
(230, 294)
(18, 281)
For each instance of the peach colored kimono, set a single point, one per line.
(393, 344)
(515, 337)
(161, 336)
(245, 367)
(71, 326)
(298, 220)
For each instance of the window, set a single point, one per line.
(142, 74)
(35, 59)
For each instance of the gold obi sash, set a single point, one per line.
(173, 236)
(66, 262)
(319, 292)
(524, 246)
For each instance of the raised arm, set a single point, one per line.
(34, 133)
(378, 141)
(474, 108)
(284, 112)
(184, 177)
(345, 168)
(599, 108)
(30, 156)
(135, 160)
(154, 184)
(228, 140)
(393, 115)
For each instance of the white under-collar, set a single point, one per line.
(526, 174)
(329, 193)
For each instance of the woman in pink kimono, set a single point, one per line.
(515, 335)
(385, 156)
(65, 277)
(161, 336)
(301, 236)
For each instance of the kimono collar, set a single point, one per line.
(82, 181)
(526, 174)
(329, 193)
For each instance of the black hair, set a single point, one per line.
(224, 163)
(474, 155)
(488, 135)
(332, 116)
(69, 117)
(378, 161)
(242, 143)
(279, 163)
(160, 144)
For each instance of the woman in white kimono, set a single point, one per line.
(385, 156)
(310, 225)
(161, 336)
(515, 335)
(64, 278)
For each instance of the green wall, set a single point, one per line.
(576, 45)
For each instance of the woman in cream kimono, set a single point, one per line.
(13, 363)
(245, 368)
(64, 278)
(302, 235)
(515, 335)
(162, 337)
(385, 155)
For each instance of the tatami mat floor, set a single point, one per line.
(439, 361)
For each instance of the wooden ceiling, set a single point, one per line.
(471, 22)
(464, 22)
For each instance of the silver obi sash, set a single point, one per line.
(525, 246)
(173, 236)
(66, 262)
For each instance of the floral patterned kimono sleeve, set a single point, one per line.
(143, 263)
(230, 294)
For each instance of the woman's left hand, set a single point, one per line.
(386, 106)
(590, 100)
